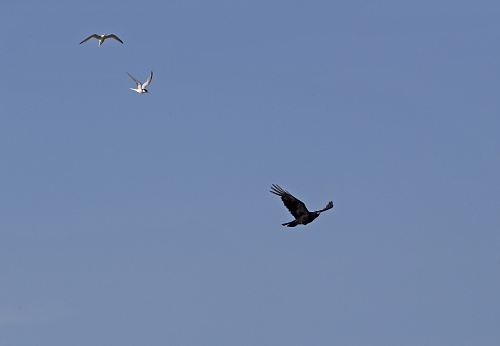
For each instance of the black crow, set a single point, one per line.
(297, 208)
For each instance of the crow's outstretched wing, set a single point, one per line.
(296, 207)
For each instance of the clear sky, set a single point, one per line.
(130, 219)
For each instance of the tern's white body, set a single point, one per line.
(141, 87)
(102, 38)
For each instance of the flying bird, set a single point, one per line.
(141, 88)
(102, 38)
(297, 208)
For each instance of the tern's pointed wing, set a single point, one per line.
(91, 36)
(115, 37)
(146, 83)
(135, 80)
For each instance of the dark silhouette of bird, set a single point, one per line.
(297, 208)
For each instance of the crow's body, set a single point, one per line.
(297, 208)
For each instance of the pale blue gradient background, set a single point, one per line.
(131, 219)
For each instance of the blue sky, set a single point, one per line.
(130, 219)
